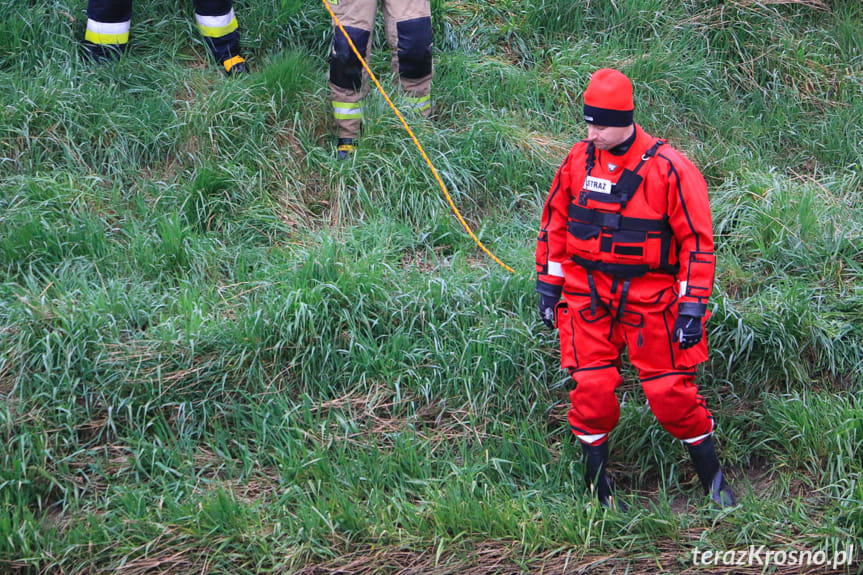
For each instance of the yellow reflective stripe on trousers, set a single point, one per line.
(107, 32)
(217, 26)
(347, 110)
(421, 103)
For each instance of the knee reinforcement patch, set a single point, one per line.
(346, 71)
(415, 47)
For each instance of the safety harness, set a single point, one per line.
(586, 223)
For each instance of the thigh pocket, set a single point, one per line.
(632, 319)
(588, 317)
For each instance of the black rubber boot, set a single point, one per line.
(707, 467)
(595, 459)
(102, 53)
(235, 66)
(345, 147)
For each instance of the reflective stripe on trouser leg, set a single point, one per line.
(347, 110)
(107, 33)
(217, 26)
(108, 22)
(698, 438)
(348, 114)
(594, 439)
(421, 104)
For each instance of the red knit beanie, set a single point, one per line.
(608, 99)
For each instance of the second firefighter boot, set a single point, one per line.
(235, 66)
(707, 467)
(345, 147)
(595, 458)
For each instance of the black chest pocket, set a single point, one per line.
(628, 243)
(584, 231)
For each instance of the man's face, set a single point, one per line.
(607, 137)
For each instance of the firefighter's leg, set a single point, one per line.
(409, 33)
(668, 378)
(218, 25)
(348, 84)
(108, 23)
(593, 345)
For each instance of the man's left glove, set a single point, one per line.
(546, 309)
(688, 329)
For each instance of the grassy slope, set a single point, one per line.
(222, 352)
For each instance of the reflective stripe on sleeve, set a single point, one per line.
(107, 32)
(217, 26)
(555, 269)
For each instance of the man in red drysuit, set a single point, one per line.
(626, 237)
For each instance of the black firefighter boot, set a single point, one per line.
(707, 467)
(595, 458)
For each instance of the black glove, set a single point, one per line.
(546, 309)
(688, 330)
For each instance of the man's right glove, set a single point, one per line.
(546, 309)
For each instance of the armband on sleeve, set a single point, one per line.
(548, 289)
(692, 309)
(699, 276)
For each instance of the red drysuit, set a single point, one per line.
(628, 238)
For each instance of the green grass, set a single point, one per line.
(221, 351)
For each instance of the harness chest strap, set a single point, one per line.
(615, 223)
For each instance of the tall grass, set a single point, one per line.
(222, 351)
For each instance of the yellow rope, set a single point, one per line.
(410, 132)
